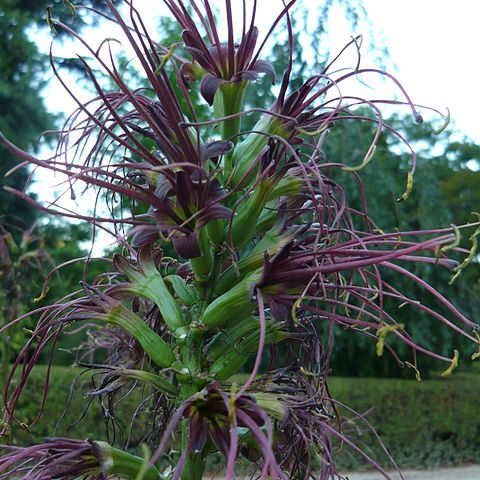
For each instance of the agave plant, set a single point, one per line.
(240, 254)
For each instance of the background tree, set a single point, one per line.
(444, 193)
(24, 116)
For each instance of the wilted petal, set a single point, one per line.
(245, 75)
(209, 86)
(163, 186)
(198, 432)
(186, 71)
(219, 55)
(220, 434)
(215, 149)
(145, 235)
(185, 193)
(214, 212)
(261, 66)
(279, 312)
(187, 245)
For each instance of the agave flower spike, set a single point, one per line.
(231, 246)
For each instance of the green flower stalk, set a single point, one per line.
(226, 340)
(233, 306)
(202, 265)
(248, 213)
(272, 242)
(233, 359)
(229, 101)
(249, 151)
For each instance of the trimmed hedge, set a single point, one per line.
(92, 425)
(422, 424)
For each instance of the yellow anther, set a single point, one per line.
(42, 295)
(452, 366)
(49, 21)
(408, 189)
(382, 332)
(165, 58)
(476, 354)
(445, 125)
(231, 413)
(417, 372)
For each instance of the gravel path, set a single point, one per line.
(469, 472)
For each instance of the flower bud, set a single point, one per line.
(233, 306)
(249, 149)
(245, 220)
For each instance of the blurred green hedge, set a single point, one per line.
(435, 422)
(422, 424)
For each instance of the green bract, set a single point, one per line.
(233, 306)
(154, 345)
(149, 283)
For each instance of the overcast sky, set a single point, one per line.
(433, 48)
(435, 45)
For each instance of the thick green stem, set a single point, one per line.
(229, 101)
(202, 265)
(194, 463)
(247, 151)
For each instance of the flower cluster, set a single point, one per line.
(239, 252)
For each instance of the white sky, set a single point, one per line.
(433, 47)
